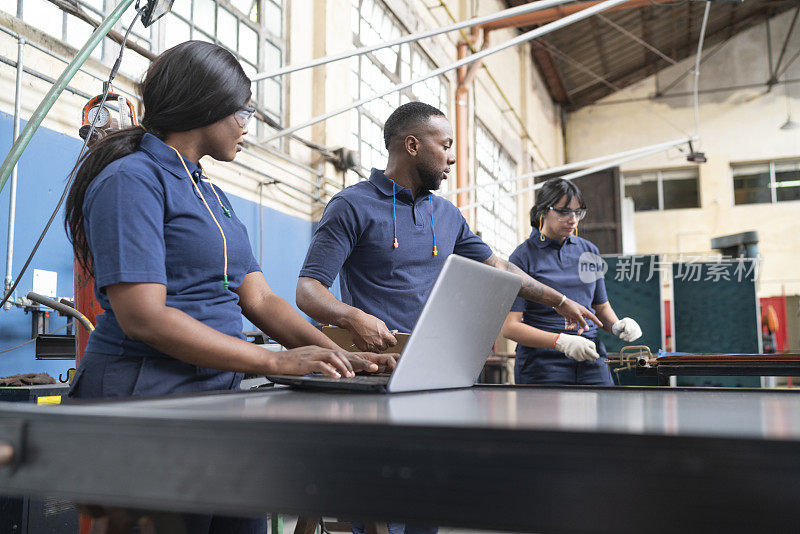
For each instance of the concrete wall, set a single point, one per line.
(736, 126)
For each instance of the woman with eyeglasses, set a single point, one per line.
(173, 266)
(548, 352)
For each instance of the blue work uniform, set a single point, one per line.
(559, 265)
(146, 223)
(355, 239)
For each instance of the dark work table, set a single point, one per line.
(520, 458)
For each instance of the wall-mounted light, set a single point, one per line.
(154, 10)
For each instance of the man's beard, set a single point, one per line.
(431, 179)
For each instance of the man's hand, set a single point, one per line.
(369, 333)
(576, 315)
(578, 348)
(627, 329)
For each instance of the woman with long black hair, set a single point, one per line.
(173, 266)
(548, 352)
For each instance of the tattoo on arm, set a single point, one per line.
(531, 289)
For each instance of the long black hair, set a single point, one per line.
(189, 86)
(549, 195)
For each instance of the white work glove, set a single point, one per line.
(577, 347)
(626, 329)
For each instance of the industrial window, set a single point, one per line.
(663, 189)
(372, 23)
(49, 18)
(251, 29)
(769, 182)
(496, 215)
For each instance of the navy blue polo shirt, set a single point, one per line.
(559, 266)
(145, 222)
(355, 240)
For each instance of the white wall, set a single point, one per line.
(735, 126)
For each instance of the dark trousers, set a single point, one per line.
(549, 366)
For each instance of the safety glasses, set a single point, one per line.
(565, 215)
(243, 116)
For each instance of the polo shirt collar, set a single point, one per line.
(166, 157)
(547, 241)
(383, 184)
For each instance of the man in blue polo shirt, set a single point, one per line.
(387, 239)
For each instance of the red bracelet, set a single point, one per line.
(556, 342)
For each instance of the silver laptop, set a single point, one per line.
(452, 338)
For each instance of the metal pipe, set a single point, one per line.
(477, 21)
(462, 118)
(63, 308)
(525, 37)
(696, 85)
(577, 164)
(578, 174)
(12, 202)
(50, 98)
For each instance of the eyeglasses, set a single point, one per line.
(243, 116)
(565, 215)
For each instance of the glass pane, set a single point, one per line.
(248, 43)
(226, 29)
(134, 65)
(44, 16)
(643, 189)
(787, 180)
(9, 6)
(243, 5)
(182, 8)
(681, 193)
(200, 36)
(78, 33)
(751, 184)
(680, 188)
(272, 97)
(204, 15)
(273, 18)
(176, 31)
(96, 4)
(272, 57)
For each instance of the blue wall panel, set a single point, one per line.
(43, 170)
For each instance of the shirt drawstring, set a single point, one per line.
(394, 218)
(433, 228)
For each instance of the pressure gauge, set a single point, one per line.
(103, 116)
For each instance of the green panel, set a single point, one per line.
(634, 291)
(716, 312)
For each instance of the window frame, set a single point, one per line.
(395, 77)
(496, 216)
(773, 188)
(660, 186)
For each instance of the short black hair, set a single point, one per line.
(407, 117)
(549, 195)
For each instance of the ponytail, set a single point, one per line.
(111, 147)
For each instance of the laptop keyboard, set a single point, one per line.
(358, 379)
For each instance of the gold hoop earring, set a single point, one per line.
(541, 224)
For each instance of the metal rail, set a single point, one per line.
(525, 37)
(477, 21)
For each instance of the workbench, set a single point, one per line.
(517, 458)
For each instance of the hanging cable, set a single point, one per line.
(71, 177)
